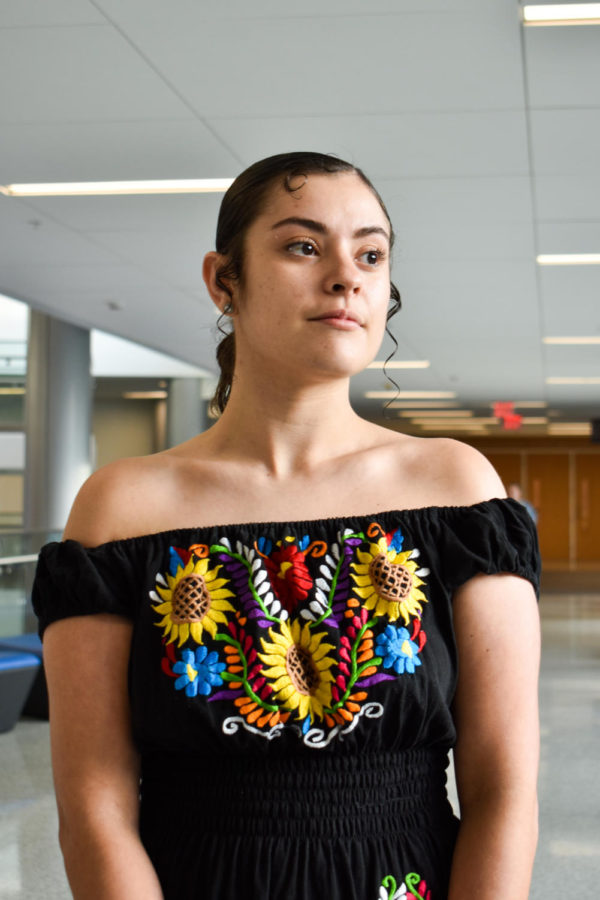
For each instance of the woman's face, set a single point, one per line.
(315, 289)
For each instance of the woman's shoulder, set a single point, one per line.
(444, 471)
(121, 499)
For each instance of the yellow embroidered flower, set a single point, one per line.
(194, 599)
(387, 581)
(299, 668)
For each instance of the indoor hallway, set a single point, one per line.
(568, 859)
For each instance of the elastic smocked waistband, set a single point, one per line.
(300, 796)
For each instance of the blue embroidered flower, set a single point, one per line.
(198, 672)
(398, 651)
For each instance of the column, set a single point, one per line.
(57, 420)
(186, 410)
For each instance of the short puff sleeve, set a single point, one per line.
(493, 537)
(73, 580)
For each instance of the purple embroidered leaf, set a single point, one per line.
(227, 695)
(373, 679)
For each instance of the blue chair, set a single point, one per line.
(36, 703)
(17, 674)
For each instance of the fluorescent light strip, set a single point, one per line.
(5, 391)
(570, 428)
(562, 14)
(423, 404)
(412, 395)
(573, 380)
(94, 188)
(534, 420)
(568, 259)
(437, 413)
(530, 404)
(571, 340)
(459, 423)
(145, 395)
(400, 364)
(453, 426)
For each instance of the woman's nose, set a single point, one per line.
(343, 277)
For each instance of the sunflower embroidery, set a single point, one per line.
(387, 579)
(299, 669)
(193, 598)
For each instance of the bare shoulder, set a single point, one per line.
(118, 499)
(445, 472)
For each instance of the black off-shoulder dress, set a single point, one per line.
(291, 687)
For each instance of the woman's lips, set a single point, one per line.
(341, 319)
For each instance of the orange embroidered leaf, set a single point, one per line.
(360, 695)
(235, 670)
(349, 614)
(370, 670)
(235, 685)
(353, 707)
(255, 714)
(352, 601)
(365, 645)
(346, 715)
(368, 654)
(329, 720)
(263, 720)
(368, 633)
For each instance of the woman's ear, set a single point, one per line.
(213, 261)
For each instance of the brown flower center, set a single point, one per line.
(300, 667)
(191, 600)
(392, 581)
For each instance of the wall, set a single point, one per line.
(561, 477)
(123, 428)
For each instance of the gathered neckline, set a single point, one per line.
(307, 524)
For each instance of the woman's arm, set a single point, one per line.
(96, 767)
(496, 757)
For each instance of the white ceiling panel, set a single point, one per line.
(112, 151)
(571, 300)
(563, 66)
(568, 197)
(28, 13)
(163, 213)
(78, 74)
(415, 144)
(569, 237)
(173, 258)
(448, 201)
(471, 241)
(384, 63)
(566, 141)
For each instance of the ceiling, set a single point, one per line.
(482, 137)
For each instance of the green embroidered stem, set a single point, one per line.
(412, 881)
(356, 669)
(334, 581)
(389, 883)
(253, 591)
(231, 676)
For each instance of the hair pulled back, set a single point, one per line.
(243, 202)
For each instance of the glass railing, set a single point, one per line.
(18, 557)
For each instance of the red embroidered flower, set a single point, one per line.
(288, 575)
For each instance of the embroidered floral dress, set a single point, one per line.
(290, 688)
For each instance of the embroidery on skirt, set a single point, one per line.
(412, 886)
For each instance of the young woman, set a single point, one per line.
(287, 688)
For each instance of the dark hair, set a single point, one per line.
(242, 204)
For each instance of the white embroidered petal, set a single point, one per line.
(306, 614)
(268, 599)
(239, 548)
(250, 553)
(335, 551)
(347, 531)
(401, 892)
(262, 589)
(316, 607)
(330, 561)
(422, 573)
(383, 894)
(154, 596)
(283, 615)
(325, 571)
(321, 583)
(275, 607)
(414, 554)
(321, 597)
(225, 542)
(260, 577)
(256, 564)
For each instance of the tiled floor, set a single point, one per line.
(568, 860)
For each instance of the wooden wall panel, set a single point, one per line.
(507, 465)
(548, 489)
(587, 508)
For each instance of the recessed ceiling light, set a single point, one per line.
(400, 364)
(462, 423)
(447, 427)
(534, 420)
(562, 14)
(413, 395)
(572, 340)
(5, 391)
(575, 379)
(568, 259)
(93, 188)
(575, 428)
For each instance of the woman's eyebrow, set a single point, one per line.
(320, 228)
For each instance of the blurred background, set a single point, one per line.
(480, 129)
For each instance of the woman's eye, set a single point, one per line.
(372, 257)
(302, 248)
